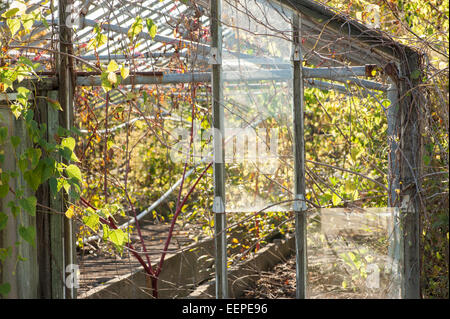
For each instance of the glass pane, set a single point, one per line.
(257, 91)
(354, 253)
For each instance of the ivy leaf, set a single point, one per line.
(74, 172)
(415, 74)
(3, 220)
(112, 77)
(55, 104)
(112, 66)
(124, 72)
(13, 25)
(10, 13)
(3, 134)
(68, 142)
(91, 221)
(29, 205)
(4, 185)
(5, 289)
(135, 28)
(117, 237)
(15, 141)
(28, 234)
(151, 28)
(336, 199)
(53, 183)
(33, 177)
(69, 213)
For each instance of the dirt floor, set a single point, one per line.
(329, 277)
(280, 283)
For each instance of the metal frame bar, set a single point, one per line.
(219, 154)
(299, 206)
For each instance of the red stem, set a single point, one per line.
(175, 216)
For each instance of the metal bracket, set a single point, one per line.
(299, 203)
(296, 52)
(218, 206)
(214, 56)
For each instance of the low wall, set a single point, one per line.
(243, 276)
(183, 274)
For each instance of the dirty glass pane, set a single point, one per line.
(257, 90)
(354, 253)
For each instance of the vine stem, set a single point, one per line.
(105, 154)
(175, 216)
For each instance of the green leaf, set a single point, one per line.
(117, 237)
(73, 172)
(135, 28)
(15, 141)
(91, 221)
(53, 182)
(33, 177)
(29, 205)
(3, 220)
(13, 25)
(426, 160)
(4, 185)
(4, 253)
(3, 134)
(415, 74)
(112, 66)
(28, 234)
(15, 210)
(151, 28)
(10, 13)
(336, 199)
(55, 104)
(5, 289)
(68, 142)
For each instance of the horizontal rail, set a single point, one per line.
(333, 73)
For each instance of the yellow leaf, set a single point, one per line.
(124, 72)
(70, 212)
(112, 66)
(235, 241)
(112, 77)
(336, 200)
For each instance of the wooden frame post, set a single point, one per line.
(410, 162)
(299, 161)
(66, 92)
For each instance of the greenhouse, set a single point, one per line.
(221, 149)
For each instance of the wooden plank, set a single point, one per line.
(66, 91)
(410, 170)
(22, 275)
(56, 217)
(42, 213)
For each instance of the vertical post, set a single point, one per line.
(56, 220)
(392, 131)
(299, 161)
(219, 157)
(410, 161)
(396, 242)
(19, 269)
(66, 116)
